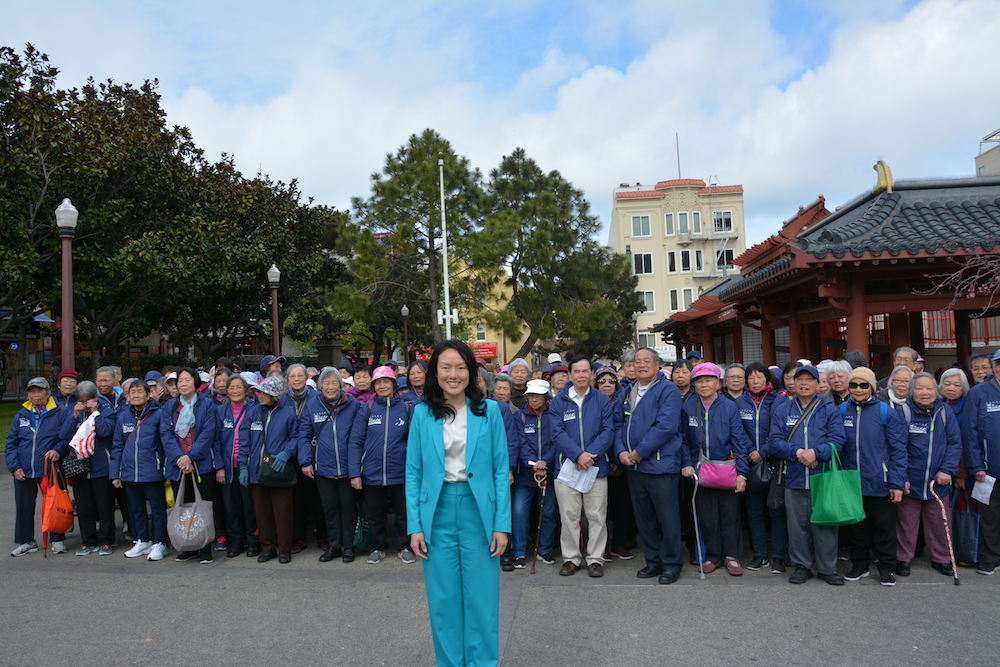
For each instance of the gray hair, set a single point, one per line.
(924, 374)
(961, 376)
(900, 369)
(302, 366)
(628, 356)
(501, 377)
(519, 362)
(110, 370)
(656, 355)
(330, 372)
(904, 348)
(117, 370)
(236, 377)
(133, 381)
(86, 390)
(839, 367)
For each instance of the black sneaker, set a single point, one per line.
(800, 576)
(778, 566)
(185, 556)
(548, 559)
(903, 568)
(518, 563)
(507, 565)
(944, 568)
(757, 563)
(986, 569)
(887, 578)
(832, 579)
(858, 571)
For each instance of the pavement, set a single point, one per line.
(109, 610)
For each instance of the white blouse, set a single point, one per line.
(455, 434)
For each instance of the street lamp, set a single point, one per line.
(635, 328)
(405, 312)
(273, 277)
(66, 216)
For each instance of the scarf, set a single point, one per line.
(185, 420)
(895, 401)
(759, 398)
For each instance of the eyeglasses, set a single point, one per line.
(606, 381)
(858, 385)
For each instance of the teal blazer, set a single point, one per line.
(486, 461)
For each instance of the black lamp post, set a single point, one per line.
(66, 216)
(274, 277)
(405, 312)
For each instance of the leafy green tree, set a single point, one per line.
(536, 242)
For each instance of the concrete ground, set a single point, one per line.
(111, 610)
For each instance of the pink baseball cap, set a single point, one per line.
(706, 368)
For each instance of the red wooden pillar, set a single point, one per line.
(963, 335)
(737, 342)
(767, 350)
(813, 342)
(899, 332)
(795, 348)
(858, 336)
(916, 325)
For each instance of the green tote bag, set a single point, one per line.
(836, 495)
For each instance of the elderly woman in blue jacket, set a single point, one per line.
(274, 429)
(876, 446)
(933, 448)
(33, 438)
(325, 427)
(755, 406)
(804, 431)
(981, 440)
(458, 507)
(377, 462)
(187, 430)
(137, 465)
(713, 433)
(232, 433)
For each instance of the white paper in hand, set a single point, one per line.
(581, 480)
(982, 491)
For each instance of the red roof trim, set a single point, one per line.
(641, 193)
(678, 182)
(719, 189)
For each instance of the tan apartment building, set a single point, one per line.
(680, 238)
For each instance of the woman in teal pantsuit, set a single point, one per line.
(458, 507)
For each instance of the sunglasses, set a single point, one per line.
(606, 381)
(858, 385)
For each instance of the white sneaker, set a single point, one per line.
(140, 549)
(157, 552)
(26, 548)
(58, 548)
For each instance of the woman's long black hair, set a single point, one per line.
(434, 395)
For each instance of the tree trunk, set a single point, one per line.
(525, 348)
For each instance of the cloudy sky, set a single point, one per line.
(789, 99)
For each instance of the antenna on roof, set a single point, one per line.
(677, 141)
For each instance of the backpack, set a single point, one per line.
(909, 415)
(883, 412)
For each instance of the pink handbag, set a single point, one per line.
(717, 474)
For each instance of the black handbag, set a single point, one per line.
(73, 466)
(267, 476)
(759, 479)
(776, 493)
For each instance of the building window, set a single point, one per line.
(480, 332)
(640, 225)
(686, 261)
(699, 258)
(647, 340)
(696, 222)
(649, 298)
(674, 300)
(671, 261)
(682, 223)
(722, 221)
(668, 224)
(688, 297)
(643, 263)
(724, 258)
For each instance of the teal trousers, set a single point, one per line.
(463, 583)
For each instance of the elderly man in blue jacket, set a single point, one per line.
(584, 431)
(649, 447)
(981, 440)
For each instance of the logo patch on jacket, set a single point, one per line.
(569, 415)
(400, 423)
(24, 423)
(692, 421)
(318, 417)
(849, 421)
(257, 426)
(128, 428)
(529, 428)
(375, 420)
(918, 428)
(791, 420)
(227, 423)
(992, 406)
(747, 414)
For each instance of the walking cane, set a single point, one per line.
(540, 481)
(697, 529)
(947, 533)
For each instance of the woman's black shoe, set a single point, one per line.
(266, 556)
(348, 555)
(330, 554)
(285, 558)
(903, 568)
(944, 568)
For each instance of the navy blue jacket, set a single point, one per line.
(332, 431)
(411, 397)
(203, 449)
(934, 445)
(822, 431)
(29, 439)
(65, 402)
(591, 429)
(652, 429)
(104, 427)
(225, 431)
(981, 428)
(756, 420)
(717, 433)
(510, 428)
(534, 434)
(879, 446)
(377, 452)
(271, 430)
(136, 450)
